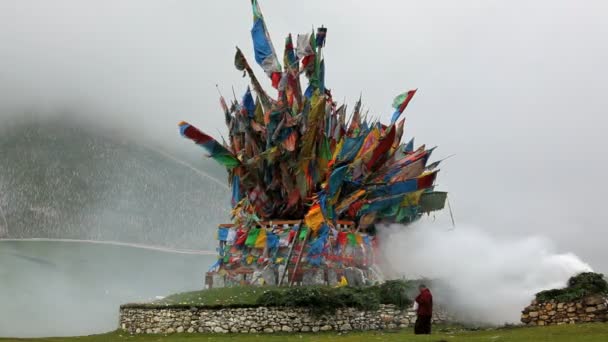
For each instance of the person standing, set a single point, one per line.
(424, 312)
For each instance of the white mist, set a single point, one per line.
(481, 278)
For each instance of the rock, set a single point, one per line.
(386, 318)
(262, 320)
(268, 330)
(594, 300)
(218, 280)
(219, 330)
(313, 277)
(533, 314)
(332, 277)
(346, 327)
(590, 309)
(354, 276)
(269, 276)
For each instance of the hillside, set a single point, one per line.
(58, 180)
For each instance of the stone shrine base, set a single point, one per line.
(140, 319)
(589, 309)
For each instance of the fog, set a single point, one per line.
(515, 89)
(69, 288)
(480, 278)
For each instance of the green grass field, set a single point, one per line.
(251, 296)
(218, 296)
(566, 333)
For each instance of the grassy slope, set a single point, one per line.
(67, 180)
(223, 296)
(219, 296)
(580, 333)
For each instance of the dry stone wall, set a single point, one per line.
(138, 319)
(589, 309)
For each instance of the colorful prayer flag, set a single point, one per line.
(265, 55)
(400, 102)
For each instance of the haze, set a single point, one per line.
(516, 89)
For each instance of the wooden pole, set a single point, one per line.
(295, 238)
(295, 268)
(451, 215)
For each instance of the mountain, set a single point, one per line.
(61, 180)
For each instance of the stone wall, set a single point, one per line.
(589, 309)
(140, 319)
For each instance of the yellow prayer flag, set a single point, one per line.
(314, 219)
(260, 242)
(412, 198)
(343, 282)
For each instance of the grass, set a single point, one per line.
(219, 297)
(597, 332)
(320, 297)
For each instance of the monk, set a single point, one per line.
(424, 312)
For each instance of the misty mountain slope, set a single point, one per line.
(60, 181)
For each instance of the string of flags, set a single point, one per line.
(300, 156)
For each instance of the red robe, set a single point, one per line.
(425, 303)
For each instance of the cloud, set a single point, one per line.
(482, 278)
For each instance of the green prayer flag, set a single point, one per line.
(399, 100)
(352, 239)
(303, 233)
(432, 201)
(252, 236)
(325, 149)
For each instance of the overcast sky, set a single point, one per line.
(516, 89)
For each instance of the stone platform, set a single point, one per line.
(140, 319)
